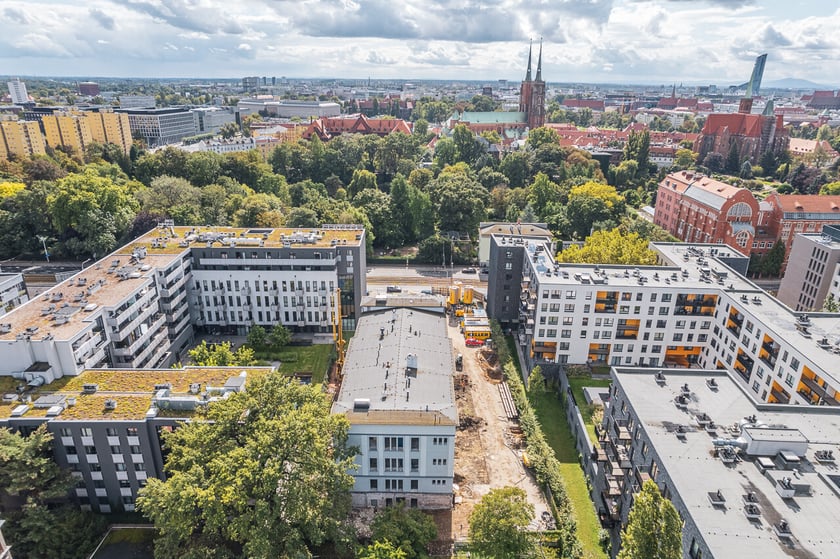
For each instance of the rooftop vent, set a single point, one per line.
(89, 388)
(782, 530)
(19, 410)
(712, 383)
(110, 404)
(5, 328)
(717, 499)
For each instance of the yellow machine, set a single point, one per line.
(477, 332)
(338, 333)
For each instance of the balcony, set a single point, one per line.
(746, 361)
(820, 391)
(627, 334)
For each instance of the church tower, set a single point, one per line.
(532, 94)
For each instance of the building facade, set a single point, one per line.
(17, 91)
(139, 306)
(77, 130)
(398, 394)
(137, 101)
(107, 424)
(487, 229)
(159, 127)
(209, 120)
(748, 479)
(12, 292)
(699, 209)
(791, 214)
(20, 138)
(504, 272)
(532, 94)
(812, 270)
(694, 310)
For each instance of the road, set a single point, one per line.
(416, 278)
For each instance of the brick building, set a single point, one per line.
(696, 208)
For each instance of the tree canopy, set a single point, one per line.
(408, 530)
(499, 525)
(265, 476)
(610, 247)
(654, 528)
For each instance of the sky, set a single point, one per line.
(595, 41)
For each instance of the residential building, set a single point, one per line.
(748, 479)
(397, 392)
(692, 310)
(486, 229)
(90, 89)
(159, 127)
(139, 306)
(504, 273)
(77, 130)
(137, 101)
(12, 292)
(209, 120)
(251, 83)
(812, 270)
(17, 91)
(107, 424)
(307, 109)
(20, 138)
(699, 209)
(817, 149)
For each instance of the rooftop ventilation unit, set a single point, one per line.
(110, 404)
(89, 388)
(5, 328)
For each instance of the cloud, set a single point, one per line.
(16, 15)
(104, 19)
(770, 37)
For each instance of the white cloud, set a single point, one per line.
(660, 41)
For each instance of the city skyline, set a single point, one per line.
(660, 41)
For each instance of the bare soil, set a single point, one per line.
(488, 446)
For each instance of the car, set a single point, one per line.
(468, 271)
(473, 342)
(393, 289)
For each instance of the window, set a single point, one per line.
(569, 307)
(139, 467)
(414, 485)
(372, 443)
(393, 443)
(121, 467)
(415, 464)
(111, 432)
(86, 432)
(794, 364)
(90, 450)
(374, 484)
(415, 443)
(373, 464)
(65, 432)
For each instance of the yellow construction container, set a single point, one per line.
(467, 295)
(454, 295)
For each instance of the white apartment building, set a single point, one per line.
(137, 101)
(209, 120)
(812, 273)
(138, 307)
(399, 397)
(691, 311)
(12, 292)
(17, 90)
(159, 127)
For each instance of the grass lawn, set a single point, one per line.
(310, 359)
(556, 430)
(577, 384)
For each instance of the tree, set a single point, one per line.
(381, 550)
(831, 304)
(536, 381)
(516, 167)
(499, 524)
(714, 162)
(171, 197)
(30, 484)
(684, 158)
(654, 528)
(362, 180)
(542, 136)
(458, 199)
(228, 130)
(832, 188)
(221, 355)
(265, 476)
(409, 530)
(771, 263)
(733, 160)
(257, 336)
(637, 148)
(279, 337)
(592, 203)
(542, 192)
(611, 247)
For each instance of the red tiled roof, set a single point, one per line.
(328, 127)
(594, 104)
(809, 203)
(737, 123)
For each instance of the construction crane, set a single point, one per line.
(338, 333)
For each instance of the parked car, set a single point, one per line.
(459, 363)
(472, 342)
(393, 289)
(468, 271)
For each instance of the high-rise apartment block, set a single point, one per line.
(693, 310)
(138, 307)
(748, 479)
(20, 138)
(17, 91)
(77, 130)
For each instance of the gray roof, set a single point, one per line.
(706, 197)
(376, 367)
(813, 515)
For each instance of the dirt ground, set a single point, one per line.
(488, 445)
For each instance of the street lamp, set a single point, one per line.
(43, 239)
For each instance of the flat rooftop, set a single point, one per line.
(399, 364)
(813, 513)
(692, 268)
(132, 389)
(108, 282)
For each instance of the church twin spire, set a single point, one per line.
(539, 63)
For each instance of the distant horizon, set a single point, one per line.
(766, 84)
(584, 41)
